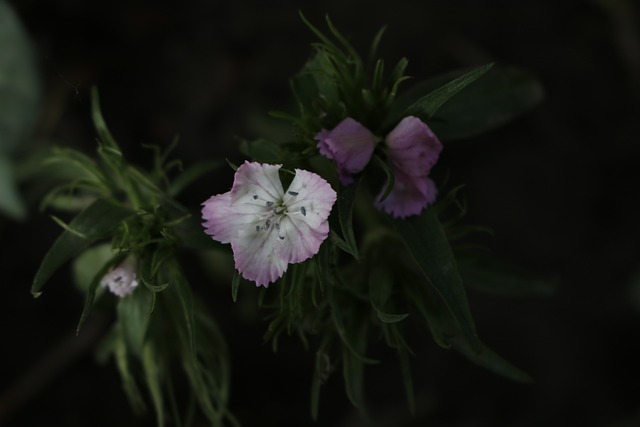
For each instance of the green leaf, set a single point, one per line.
(19, 84)
(262, 150)
(153, 375)
(134, 314)
(321, 371)
(96, 222)
(235, 284)
(10, 201)
(380, 286)
(346, 198)
(128, 381)
(503, 94)
(428, 105)
(88, 270)
(192, 174)
(405, 366)
(107, 140)
(425, 238)
(489, 274)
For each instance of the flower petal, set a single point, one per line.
(350, 144)
(256, 184)
(256, 188)
(309, 200)
(409, 196)
(268, 229)
(259, 256)
(412, 147)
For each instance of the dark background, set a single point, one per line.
(559, 186)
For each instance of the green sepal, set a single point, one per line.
(425, 239)
(95, 222)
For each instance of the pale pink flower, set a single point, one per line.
(270, 228)
(350, 144)
(122, 280)
(412, 149)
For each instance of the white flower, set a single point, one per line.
(122, 280)
(270, 228)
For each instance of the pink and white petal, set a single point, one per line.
(413, 147)
(322, 144)
(255, 184)
(409, 196)
(302, 240)
(258, 255)
(350, 144)
(309, 198)
(220, 222)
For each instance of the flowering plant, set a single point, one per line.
(346, 225)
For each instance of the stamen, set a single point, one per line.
(303, 210)
(257, 228)
(255, 197)
(269, 204)
(267, 224)
(293, 193)
(281, 237)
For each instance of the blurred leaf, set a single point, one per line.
(153, 375)
(134, 314)
(489, 274)
(407, 377)
(86, 265)
(128, 381)
(191, 174)
(95, 222)
(503, 93)
(88, 270)
(262, 150)
(346, 198)
(353, 367)
(445, 325)
(380, 285)
(109, 143)
(10, 201)
(321, 371)
(19, 85)
(429, 104)
(428, 244)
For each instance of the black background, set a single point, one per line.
(559, 186)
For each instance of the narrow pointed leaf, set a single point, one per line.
(425, 238)
(427, 106)
(96, 222)
(346, 199)
(134, 314)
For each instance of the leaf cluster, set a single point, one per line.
(159, 324)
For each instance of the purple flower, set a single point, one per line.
(412, 150)
(270, 228)
(122, 280)
(350, 144)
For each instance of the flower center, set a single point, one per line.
(277, 211)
